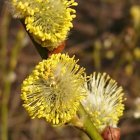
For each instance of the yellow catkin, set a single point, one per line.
(104, 103)
(54, 89)
(48, 21)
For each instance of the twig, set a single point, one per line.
(41, 50)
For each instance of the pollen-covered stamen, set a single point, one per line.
(23, 8)
(54, 89)
(104, 102)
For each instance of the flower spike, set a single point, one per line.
(104, 102)
(54, 89)
(48, 21)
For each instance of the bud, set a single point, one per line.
(110, 133)
(59, 49)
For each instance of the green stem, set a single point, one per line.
(5, 85)
(41, 50)
(4, 110)
(97, 55)
(4, 25)
(88, 126)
